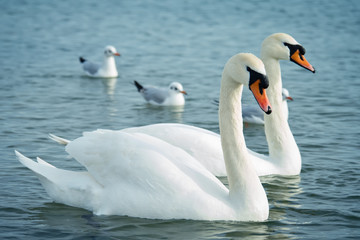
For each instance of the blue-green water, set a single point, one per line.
(43, 90)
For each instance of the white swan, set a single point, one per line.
(139, 175)
(284, 155)
(172, 96)
(108, 67)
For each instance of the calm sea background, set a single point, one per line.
(43, 90)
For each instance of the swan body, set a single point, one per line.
(142, 177)
(135, 174)
(172, 96)
(108, 67)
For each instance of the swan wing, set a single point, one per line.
(201, 144)
(147, 177)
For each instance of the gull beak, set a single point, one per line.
(300, 59)
(290, 98)
(183, 92)
(260, 96)
(116, 54)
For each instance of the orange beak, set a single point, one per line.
(183, 92)
(260, 96)
(116, 54)
(300, 59)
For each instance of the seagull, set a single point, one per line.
(107, 69)
(172, 96)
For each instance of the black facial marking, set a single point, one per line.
(254, 76)
(293, 49)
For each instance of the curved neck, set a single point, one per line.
(282, 146)
(274, 90)
(242, 177)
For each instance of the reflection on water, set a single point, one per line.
(282, 192)
(109, 86)
(159, 114)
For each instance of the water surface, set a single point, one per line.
(42, 90)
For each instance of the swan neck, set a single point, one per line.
(282, 146)
(273, 71)
(240, 172)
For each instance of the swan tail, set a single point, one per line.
(59, 140)
(32, 165)
(76, 189)
(138, 86)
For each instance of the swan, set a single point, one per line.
(172, 96)
(107, 69)
(284, 156)
(139, 175)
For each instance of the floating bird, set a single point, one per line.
(108, 67)
(135, 174)
(172, 96)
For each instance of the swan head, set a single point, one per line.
(249, 70)
(176, 87)
(110, 51)
(282, 46)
